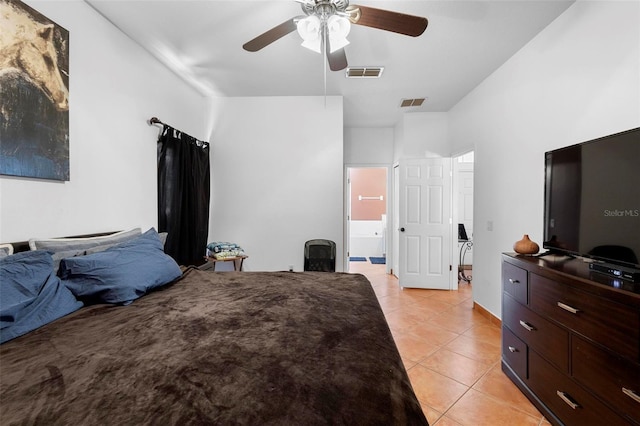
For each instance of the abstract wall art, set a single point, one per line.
(34, 94)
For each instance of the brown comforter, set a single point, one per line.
(228, 348)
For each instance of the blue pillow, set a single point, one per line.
(31, 295)
(121, 273)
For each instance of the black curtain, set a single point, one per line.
(183, 195)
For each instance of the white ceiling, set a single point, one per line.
(464, 43)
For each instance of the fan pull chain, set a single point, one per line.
(325, 60)
(325, 81)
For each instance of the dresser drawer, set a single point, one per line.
(615, 380)
(514, 352)
(567, 400)
(615, 325)
(515, 283)
(539, 334)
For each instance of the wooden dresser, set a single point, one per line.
(571, 340)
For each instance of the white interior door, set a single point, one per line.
(425, 235)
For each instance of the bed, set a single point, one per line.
(237, 348)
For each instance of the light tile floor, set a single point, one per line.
(452, 354)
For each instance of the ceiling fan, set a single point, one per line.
(326, 23)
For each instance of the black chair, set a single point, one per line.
(320, 255)
(622, 253)
(462, 233)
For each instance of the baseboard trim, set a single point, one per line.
(488, 315)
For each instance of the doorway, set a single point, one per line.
(367, 203)
(463, 208)
(432, 257)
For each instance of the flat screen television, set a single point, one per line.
(592, 199)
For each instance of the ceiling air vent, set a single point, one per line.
(412, 102)
(364, 72)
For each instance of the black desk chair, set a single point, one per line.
(320, 255)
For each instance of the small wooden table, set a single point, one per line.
(237, 261)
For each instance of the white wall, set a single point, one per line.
(423, 134)
(277, 170)
(577, 80)
(368, 146)
(115, 86)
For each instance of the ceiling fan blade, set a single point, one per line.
(337, 60)
(387, 20)
(270, 36)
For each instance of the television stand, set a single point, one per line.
(571, 340)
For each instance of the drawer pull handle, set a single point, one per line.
(568, 308)
(527, 326)
(563, 396)
(512, 281)
(512, 349)
(630, 393)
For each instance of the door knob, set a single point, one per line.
(401, 229)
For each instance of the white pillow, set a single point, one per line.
(65, 244)
(71, 247)
(6, 250)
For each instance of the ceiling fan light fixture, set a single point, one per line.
(338, 27)
(313, 27)
(309, 29)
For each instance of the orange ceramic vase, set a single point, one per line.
(526, 246)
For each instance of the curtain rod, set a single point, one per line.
(156, 120)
